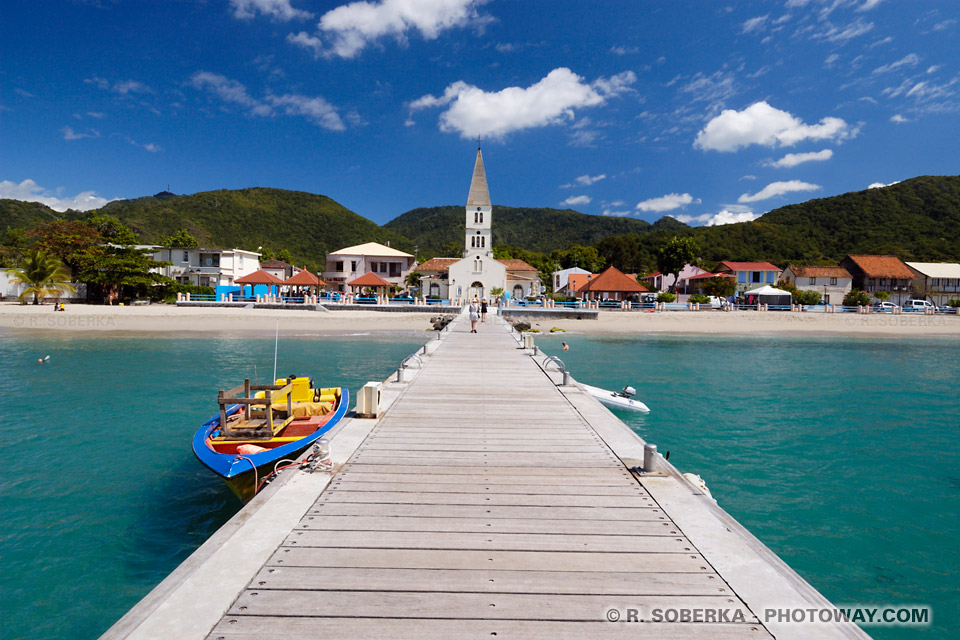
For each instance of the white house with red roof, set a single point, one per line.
(750, 275)
(663, 281)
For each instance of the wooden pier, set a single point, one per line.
(489, 500)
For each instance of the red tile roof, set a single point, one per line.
(613, 280)
(747, 266)
(369, 280)
(305, 278)
(704, 276)
(437, 264)
(818, 272)
(577, 280)
(882, 267)
(259, 277)
(516, 265)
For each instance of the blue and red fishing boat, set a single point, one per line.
(260, 426)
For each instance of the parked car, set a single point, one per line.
(919, 305)
(885, 307)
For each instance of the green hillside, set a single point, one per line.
(308, 225)
(436, 229)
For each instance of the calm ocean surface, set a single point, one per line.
(839, 454)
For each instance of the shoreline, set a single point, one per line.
(175, 321)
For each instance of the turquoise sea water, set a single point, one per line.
(101, 495)
(841, 455)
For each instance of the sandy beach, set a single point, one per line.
(170, 319)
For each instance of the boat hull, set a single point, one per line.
(243, 473)
(613, 401)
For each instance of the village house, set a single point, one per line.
(938, 282)
(832, 283)
(348, 264)
(612, 284)
(561, 280)
(874, 274)
(205, 267)
(750, 275)
(663, 281)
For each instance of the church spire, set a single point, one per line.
(479, 194)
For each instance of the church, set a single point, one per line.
(477, 273)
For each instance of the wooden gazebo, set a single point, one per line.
(305, 279)
(372, 281)
(259, 277)
(612, 284)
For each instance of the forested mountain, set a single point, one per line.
(917, 219)
(440, 229)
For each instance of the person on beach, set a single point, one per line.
(474, 312)
(483, 310)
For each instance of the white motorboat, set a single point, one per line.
(622, 399)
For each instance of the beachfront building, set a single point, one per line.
(477, 273)
(880, 273)
(561, 280)
(938, 282)
(346, 265)
(832, 283)
(750, 275)
(663, 281)
(612, 284)
(278, 268)
(205, 267)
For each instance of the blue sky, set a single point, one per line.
(711, 112)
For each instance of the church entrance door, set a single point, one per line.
(476, 291)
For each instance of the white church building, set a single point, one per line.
(477, 273)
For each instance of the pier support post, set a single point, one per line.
(649, 458)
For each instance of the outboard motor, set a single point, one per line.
(628, 392)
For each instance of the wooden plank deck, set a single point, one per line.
(483, 504)
(486, 502)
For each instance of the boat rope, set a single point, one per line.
(255, 478)
(308, 464)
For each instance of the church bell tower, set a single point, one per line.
(478, 240)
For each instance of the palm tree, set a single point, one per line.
(45, 274)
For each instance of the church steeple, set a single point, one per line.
(479, 194)
(478, 240)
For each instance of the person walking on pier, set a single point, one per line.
(474, 312)
(483, 310)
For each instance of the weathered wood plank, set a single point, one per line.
(311, 628)
(557, 476)
(480, 525)
(482, 487)
(491, 606)
(495, 541)
(507, 560)
(492, 511)
(491, 498)
(488, 581)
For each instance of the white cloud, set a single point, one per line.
(668, 202)
(351, 27)
(835, 34)
(793, 159)
(576, 200)
(768, 126)
(880, 185)
(307, 41)
(30, 191)
(615, 213)
(778, 189)
(315, 109)
(584, 181)
(898, 119)
(122, 87)
(70, 134)
(474, 112)
(755, 24)
(869, 4)
(278, 9)
(911, 59)
(728, 215)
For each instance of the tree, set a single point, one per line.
(579, 256)
(719, 287)
(181, 239)
(882, 296)
(68, 240)
(675, 255)
(112, 229)
(855, 298)
(413, 279)
(284, 256)
(45, 274)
